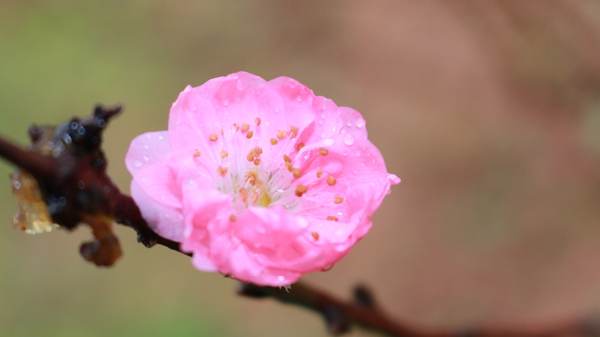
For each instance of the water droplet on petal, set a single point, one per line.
(146, 157)
(137, 163)
(349, 139)
(299, 98)
(349, 123)
(323, 135)
(160, 137)
(328, 142)
(146, 146)
(280, 278)
(360, 123)
(357, 153)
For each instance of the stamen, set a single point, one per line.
(296, 173)
(319, 173)
(274, 141)
(236, 126)
(253, 197)
(338, 200)
(222, 171)
(299, 146)
(257, 161)
(232, 217)
(331, 180)
(332, 218)
(213, 137)
(323, 151)
(289, 166)
(249, 134)
(245, 127)
(257, 121)
(300, 190)
(243, 194)
(251, 177)
(293, 132)
(315, 236)
(224, 154)
(281, 134)
(286, 158)
(250, 156)
(197, 153)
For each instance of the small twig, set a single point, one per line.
(70, 169)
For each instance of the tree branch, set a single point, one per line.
(70, 170)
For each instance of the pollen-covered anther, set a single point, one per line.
(289, 166)
(286, 158)
(332, 218)
(224, 154)
(222, 171)
(249, 134)
(257, 121)
(299, 146)
(338, 200)
(300, 190)
(213, 137)
(293, 131)
(274, 141)
(315, 236)
(197, 153)
(251, 177)
(331, 180)
(281, 134)
(319, 173)
(245, 127)
(256, 161)
(232, 217)
(243, 193)
(250, 157)
(296, 172)
(323, 151)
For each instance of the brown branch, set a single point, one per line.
(70, 170)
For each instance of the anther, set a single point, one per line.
(289, 166)
(197, 153)
(232, 217)
(299, 146)
(213, 137)
(293, 132)
(250, 157)
(338, 200)
(249, 134)
(319, 173)
(224, 154)
(331, 180)
(286, 158)
(257, 161)
(300, 190)
(257, 121)
(253, 197)
(245, 127)
(222, 171)
(296, 173)
(315, 236)
(243, 194)
(251, 177)
(323, 151)
(236, 126)
(332, 218)
(281, 134)
(274, 141)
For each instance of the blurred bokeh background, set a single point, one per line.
(488, 110)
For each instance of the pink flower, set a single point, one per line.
(261, 181)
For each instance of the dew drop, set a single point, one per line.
(16, 185)
(328, 142)
(280, 278)
(349, 139)
(360, 123)
(349, 123)
(160, 137)
(323, 135)
(81, 184)
(137, 163)
(146, 157)
(239, 85)
(357, 153)
(323, 115)
(299, 98)
(146, 146)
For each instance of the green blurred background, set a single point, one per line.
(488, 111)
